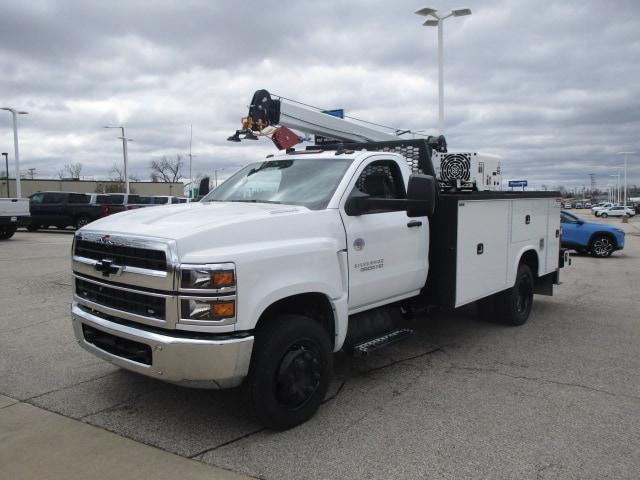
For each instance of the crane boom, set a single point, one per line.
(266, 111)
(307, 120)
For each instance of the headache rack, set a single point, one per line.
(416, 152)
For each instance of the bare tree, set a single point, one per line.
(116, 174)
(167, 169)
(70, 170)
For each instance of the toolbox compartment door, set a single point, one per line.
(483, 249)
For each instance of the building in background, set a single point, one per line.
(30, 186)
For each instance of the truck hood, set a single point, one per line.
(184, 220)
(222, 232)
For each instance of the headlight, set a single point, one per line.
(204, 309)
(219, 277)
(208, 294)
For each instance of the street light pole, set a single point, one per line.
(215, 175)
(6, 166)
(125, 154)
(190, 155)
(190, 163)
(625, 173)
(440, 78)
(439, 20)
(616, 188)
(15, 114)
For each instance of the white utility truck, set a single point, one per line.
(14, 213)
(302, 254)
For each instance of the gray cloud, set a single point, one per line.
(550, 87)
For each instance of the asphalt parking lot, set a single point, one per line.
(556, 398)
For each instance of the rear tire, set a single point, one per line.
(603, 215)
(601, 246)
(513, 306)
(291, 369)
(7, 232)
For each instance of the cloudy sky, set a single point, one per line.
(552, 87)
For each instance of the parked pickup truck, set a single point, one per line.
(110, 202)
(63, 209)
(300, 255)
(14, 213)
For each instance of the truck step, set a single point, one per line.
(369, 346)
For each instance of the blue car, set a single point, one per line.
(597, 239)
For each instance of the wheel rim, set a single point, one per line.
(602, 246)
(82, 222)
(525, 292)
(298, 375)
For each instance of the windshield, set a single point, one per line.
(301, 181)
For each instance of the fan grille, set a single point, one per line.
(455, 166)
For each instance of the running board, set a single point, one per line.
(369, 346)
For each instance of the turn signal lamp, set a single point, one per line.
(223, 309)
(222, 279)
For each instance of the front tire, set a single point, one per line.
(82, 221)
(603, 215)
(601, 246)
(291, 369)
(513, 306)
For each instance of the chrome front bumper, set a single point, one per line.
(194, 362)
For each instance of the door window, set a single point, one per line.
(36, 198)
(382, 179)
(78, 198)
(53, 197)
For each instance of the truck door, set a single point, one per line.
(35, 208)
(386, 250)
(53, 209)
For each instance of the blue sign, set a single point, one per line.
(517, 183)
(338, 112)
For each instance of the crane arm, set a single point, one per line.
(266, 111)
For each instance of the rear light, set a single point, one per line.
(105, 210)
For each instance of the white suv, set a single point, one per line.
(596, 209)
(616, 211)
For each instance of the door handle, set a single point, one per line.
(414, 223)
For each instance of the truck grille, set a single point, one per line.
(131, 302)
(122, 255)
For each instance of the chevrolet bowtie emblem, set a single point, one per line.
(107, 268)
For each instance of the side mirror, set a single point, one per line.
(357, 204)
(580, 222)
(204, 187)
(421, 195)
